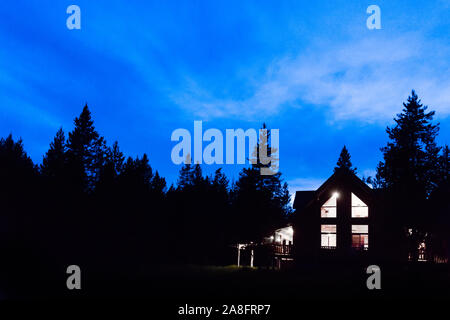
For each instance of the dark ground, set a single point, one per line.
(213, 283)
(163, 290)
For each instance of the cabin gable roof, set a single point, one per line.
(339, 179)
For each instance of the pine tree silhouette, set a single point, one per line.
(54, 161)
(186, 175)
(85, 153)
(411, 156)
(344, 162)
(260, 202)
(410, 172)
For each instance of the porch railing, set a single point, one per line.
(281, 249)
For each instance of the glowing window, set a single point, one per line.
(328, 236)
(359, 208)
(328, 210)
(360, 237)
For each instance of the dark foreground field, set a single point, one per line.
(186, 284)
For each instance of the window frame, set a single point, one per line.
(360, 234)
(322, 233)
(333, 206)
(365, 206)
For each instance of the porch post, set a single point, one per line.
(239, 255)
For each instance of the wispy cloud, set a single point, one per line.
(366, 79)
(305, 184)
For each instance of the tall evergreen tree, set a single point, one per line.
(220, 182)
(116, 158)
(137, 175)
(19, 192)
(197, 175)
(85, 152)
(410, 158)
(260, 202)
(344, 162)
(158, 184)
(107, 182)
(16, 167)
(263, 156)
(186, 176)
(54, 161)
(409, 172)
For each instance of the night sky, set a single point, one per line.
(311, 69)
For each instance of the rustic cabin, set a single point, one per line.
(345, 220)
(336, 221)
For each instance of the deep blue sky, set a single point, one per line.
(311, 69)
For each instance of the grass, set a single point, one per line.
(224, 283)
(310, 282)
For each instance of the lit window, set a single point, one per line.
(328, 236)
(328, 210)
(360, 237)
(359, 208)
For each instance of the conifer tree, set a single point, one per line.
(116, 158)
(158, 184)
(54, 161)
(410, 158)
(344, 162)
(260, 202)
(410, 172)
(85, 153)
(16, 167)
(186, 176)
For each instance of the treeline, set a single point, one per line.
(89, 205)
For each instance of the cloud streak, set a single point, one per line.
(366, 79)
